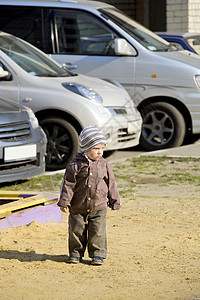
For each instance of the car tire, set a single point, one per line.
(163, 127)
(62, 142)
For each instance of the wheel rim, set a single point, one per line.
(59, 144)
(158, 128)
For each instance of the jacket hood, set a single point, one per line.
(81, 156)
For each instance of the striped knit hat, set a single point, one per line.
(90, 137)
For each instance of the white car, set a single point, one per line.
(65, 102)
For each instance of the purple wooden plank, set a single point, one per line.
(42, 214)
(26, 195)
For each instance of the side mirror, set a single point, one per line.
(122, 47)
(3, 73)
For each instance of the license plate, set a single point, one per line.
(20, 153)
(131, 127)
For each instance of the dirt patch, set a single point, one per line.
(153, 244)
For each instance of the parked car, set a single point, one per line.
(22, 143)
(101, 41)
(187, 41)
(64, 102)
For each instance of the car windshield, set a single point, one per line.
(194, 42)
(141, 34)
(29, 59)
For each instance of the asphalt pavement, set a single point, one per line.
(192, 150)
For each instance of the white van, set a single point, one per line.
(100, 41)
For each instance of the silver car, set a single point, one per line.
(22, 143)
(65, 102)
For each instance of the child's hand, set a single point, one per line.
(63, 209)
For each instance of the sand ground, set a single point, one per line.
(153, 251)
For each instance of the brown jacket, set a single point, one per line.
(89, 186)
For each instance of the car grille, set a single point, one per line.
(15, 131)
(124, 136)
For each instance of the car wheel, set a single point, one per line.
(62, 142)
(163, 127)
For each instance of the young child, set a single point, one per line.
(88, 188)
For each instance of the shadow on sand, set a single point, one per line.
(33, 256)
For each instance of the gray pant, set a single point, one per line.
(88, 230)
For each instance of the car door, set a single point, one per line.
(83, 41)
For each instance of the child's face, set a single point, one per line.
(96, 152)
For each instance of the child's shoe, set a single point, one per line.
(73, 260)
(97, 261)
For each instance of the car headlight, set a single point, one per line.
(32, 118)
(197, 80)
(84, 91)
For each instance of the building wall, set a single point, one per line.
(183, 15)
(194, 16)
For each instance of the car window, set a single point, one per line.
(145, 37)
(29, 58)
(28, 23)
(79, 33)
